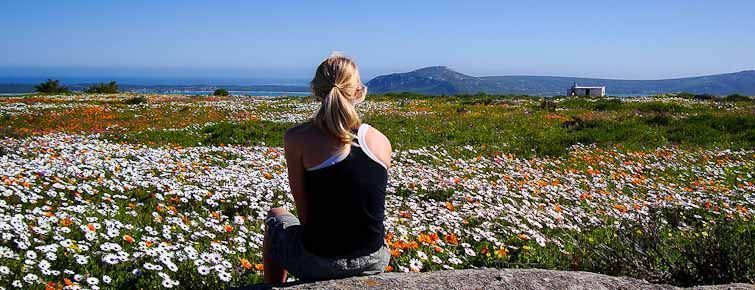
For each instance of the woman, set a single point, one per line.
(337, 170)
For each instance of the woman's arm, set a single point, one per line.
(293, 154)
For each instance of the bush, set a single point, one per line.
(596, 105)
(675, 247)
(221, 93)
(659, 107)
(103, 88)
(736, 98)
(135, 100)
(704, 97)
(51, 87)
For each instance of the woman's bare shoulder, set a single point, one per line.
(376, 136)
(379, 144)
(299, 133)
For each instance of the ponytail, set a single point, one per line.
(337, 85)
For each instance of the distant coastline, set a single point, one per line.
(197, 89)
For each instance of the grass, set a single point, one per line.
(520, 125)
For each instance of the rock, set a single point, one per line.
(515, 279)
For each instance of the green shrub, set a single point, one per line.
(51, 87)
(592, 105)
(135, 100)
(675, 247)
(103, 88)
(221, 93)
(659, 107)
(704, 97)
(736, 98)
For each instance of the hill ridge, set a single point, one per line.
(436, 80)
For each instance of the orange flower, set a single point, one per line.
(268, 175)
(49, 214)
(427, 239)
(395, 252)
(523, 237)
(67, 282)
(620, 208)
(389, 237)
(259, 267)
(228, 229)
(501, 252)
(451, 239)
(557, 207)
(91, 227)
(66, 221)
(129, 239)
(245, 264)
(148, 243)
(438, 249)
(50, 285)
(450, 206)
(389, 268)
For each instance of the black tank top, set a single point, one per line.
(346, 205)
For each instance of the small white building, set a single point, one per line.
(578, 91)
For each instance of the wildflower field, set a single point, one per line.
(127, 191)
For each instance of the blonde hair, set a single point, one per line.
(337, 85)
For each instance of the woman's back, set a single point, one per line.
(346, 202)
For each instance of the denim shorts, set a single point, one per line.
(285, 233)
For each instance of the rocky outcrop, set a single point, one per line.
(519, 279)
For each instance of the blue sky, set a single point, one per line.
(598, 38)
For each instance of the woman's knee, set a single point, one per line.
(276, 211)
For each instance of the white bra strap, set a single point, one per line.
(361, 134)
(333, 159)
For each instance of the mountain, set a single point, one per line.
(440, 80)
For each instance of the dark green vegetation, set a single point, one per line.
(220, 93)
(103, 88)
(51, 87)
(442, 80)
(135, 100)
(672, 247)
